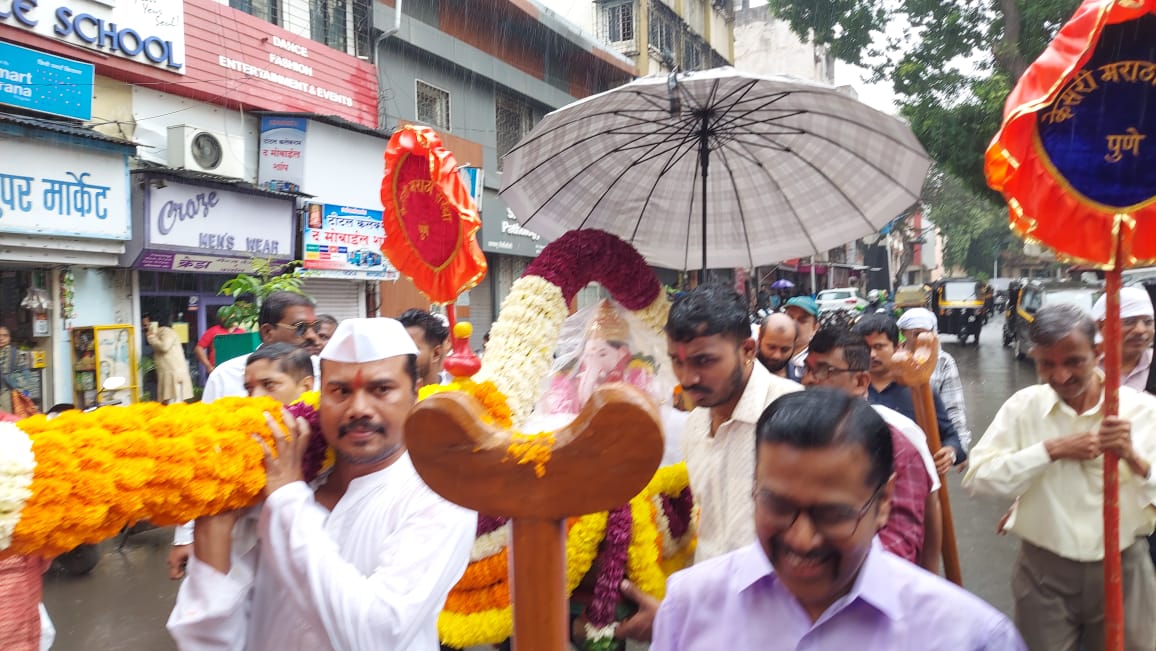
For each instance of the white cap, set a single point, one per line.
(368, 340)
(1134, 301)
(917, 318)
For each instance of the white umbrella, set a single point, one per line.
(753, 169)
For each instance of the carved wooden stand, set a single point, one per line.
(597, 463)
(914, 370)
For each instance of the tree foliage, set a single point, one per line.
(951, 64)
(250, 290)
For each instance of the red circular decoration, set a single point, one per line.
(430, 219)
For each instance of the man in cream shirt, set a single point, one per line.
(1045, 448)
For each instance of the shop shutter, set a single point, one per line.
(482, 311)
(344, 299)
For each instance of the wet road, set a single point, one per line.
(124, 603)
(990, 374)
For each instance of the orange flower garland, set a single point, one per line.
(97, 472)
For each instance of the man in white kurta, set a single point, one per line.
(363, 559)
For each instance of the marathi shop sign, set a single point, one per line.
(344, 242)
(217, 223)
(151, 32)
(71, 192)
(45, 83)
(282, 155)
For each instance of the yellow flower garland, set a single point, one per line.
(97, 472)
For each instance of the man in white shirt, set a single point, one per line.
(362, 560)
(1136, 329)
(1045, 448)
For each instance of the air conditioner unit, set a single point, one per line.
(201, 150)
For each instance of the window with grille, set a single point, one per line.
(616, 22)
(267, 10)
(433, 105)
(328, 20)
(514, 117)
(664, 31)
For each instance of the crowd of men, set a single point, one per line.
(819, 524)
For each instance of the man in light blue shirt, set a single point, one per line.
(817, 578)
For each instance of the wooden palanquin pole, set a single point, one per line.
(914, 370)
(596, 463)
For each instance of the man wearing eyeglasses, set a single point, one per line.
(816, 577)
(839, 360)
(285, 317)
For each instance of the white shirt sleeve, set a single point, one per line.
(385, 610)
(212, 609)
(1000, 464)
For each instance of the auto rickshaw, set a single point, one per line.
(959, 305)
(909, 296)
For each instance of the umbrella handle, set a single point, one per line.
(1113, 572)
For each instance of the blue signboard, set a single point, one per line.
(42, 82)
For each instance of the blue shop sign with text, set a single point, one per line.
(42, 82)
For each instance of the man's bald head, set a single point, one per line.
(777, 337)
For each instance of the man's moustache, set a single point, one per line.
(362, 425)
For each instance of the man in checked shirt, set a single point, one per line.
(839, 360)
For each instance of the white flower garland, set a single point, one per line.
(17, 465)
(522, 342)
(491, 543)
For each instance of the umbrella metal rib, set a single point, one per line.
(739, 205)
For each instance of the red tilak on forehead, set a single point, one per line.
(681, 353)
(358, 380)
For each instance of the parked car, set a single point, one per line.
(840, 298)
(1036, 294)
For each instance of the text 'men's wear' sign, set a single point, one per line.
(218, 223)
(45, 83)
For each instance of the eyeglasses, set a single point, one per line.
(835, 522)
(821, 373)
(301, 327)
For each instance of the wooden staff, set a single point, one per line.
(1113, 572)
(598, 462)
(914, 371)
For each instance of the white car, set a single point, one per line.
(840, 298)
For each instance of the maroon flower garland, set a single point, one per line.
(611, 261)
(601, 611)
(678, 512)
(314, 456)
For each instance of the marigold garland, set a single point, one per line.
(532, 449)
(97, 472)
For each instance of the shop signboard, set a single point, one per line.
(501, 232)
(151, 32)
(33, 80)
(256, 63)
(213, 227)
(344, 242)
(63, 191)
(281, 158)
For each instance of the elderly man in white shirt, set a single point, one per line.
(1137, 329)
(364, 558)
(1044, 447)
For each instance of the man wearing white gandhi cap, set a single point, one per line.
(1136, 329)
(361, 559)
(945, 379)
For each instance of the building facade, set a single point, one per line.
(156, 122)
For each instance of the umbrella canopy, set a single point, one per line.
(782, 283)
(787, 167)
